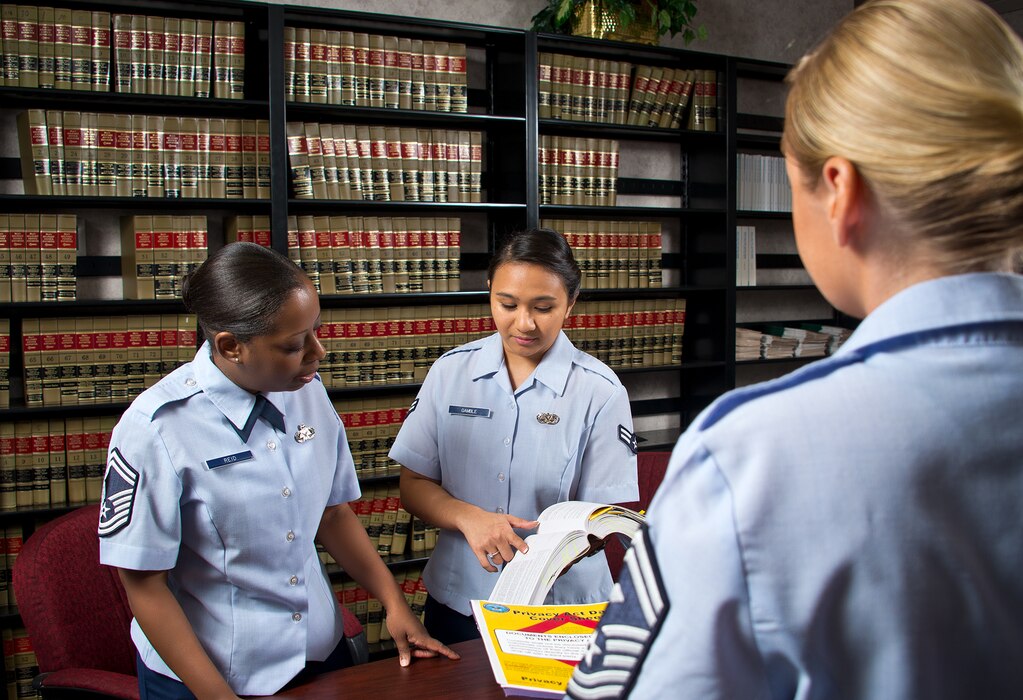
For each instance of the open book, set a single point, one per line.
(568, 531)
(533, 649)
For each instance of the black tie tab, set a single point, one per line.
(265, 410)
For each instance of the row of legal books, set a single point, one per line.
(143, 155)
(613, 254)
(38, 257)
(53, 463)
(394, 345)
(368, 255)
(250, 229)
(588, 89)
(745, 256)
(371, 425)
(46, 47)
(158, 251)
(629, 333)
(783, 342)
(763, 183)
(11, 541)
(384, 163)
(94, 360)
(389, 525)
(369, 611)
(179, 56)
(20, 664)
(5, 363)
(371, 70)
(578, 171)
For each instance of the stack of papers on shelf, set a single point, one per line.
(777, 346)
(747, 344)
(808, 343)
(836, 335)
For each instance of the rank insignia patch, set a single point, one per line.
(119, 488)
(629, 626)
(629, 438)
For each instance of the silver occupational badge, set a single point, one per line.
(547, 418)
(304, 433)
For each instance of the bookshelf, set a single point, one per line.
(780, 292)
(674, 179)
(674, 188)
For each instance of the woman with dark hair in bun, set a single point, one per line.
(221, 478)
(504, 427)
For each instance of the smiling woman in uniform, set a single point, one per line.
(504, 427)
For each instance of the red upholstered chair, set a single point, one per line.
(651, 467)
(77, 613)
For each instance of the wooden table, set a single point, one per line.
(423, 679)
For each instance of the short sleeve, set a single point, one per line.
(608, 468)
(700, 644)
(416, 446)
(140, 516)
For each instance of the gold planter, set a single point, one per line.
(592, 20)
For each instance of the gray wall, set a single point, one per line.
(776, 30)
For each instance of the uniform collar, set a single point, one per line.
(552, 371)
(229, 398)
(941, 303)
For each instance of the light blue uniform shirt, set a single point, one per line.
(483, 442)
(232, 522)
(850, 530)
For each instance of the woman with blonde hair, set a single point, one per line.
(852, 529)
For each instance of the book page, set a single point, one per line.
(525, 575)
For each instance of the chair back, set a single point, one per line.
(650, 467)
(75, 609)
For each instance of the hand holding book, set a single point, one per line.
(567, 532)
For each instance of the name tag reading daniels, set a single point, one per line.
(470, 411)
(229, 459)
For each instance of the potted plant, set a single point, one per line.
(628, 20)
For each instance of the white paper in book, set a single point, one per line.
(561, 539)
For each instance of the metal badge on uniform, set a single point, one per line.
(119, 488)
(304, 433)
(629, 438)
(470, 411)
(548, 418)
(229, 459)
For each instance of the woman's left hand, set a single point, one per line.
(412, 639)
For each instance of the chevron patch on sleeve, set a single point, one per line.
(119, 488)
(629, 438)
(629, 626)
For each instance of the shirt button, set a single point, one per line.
(290, 536)
(500, 510)
(285, 492)
(297, 617)
(271, 445)
(500, 477)
(507, 441)
(189, 382)
(293, 580)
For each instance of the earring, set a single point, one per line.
(237, 360)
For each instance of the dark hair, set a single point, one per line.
(543, 247)
(240, 289)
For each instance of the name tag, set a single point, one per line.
(229, 459)
(470, 411)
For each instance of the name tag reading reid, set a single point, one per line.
(470, 411)
(229, 459)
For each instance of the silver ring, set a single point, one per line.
(490, 557)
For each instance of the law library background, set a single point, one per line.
(386, 156)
